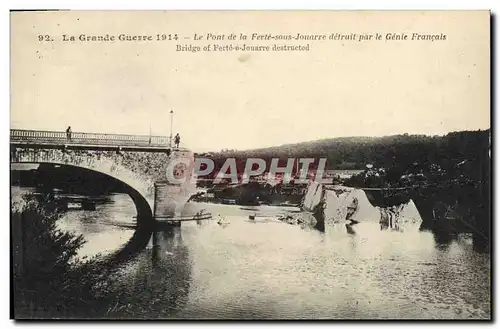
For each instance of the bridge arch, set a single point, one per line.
(137, 188)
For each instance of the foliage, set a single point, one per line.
(452, 172)
(398, 151)
(48, 280)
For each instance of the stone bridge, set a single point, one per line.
(138, 163)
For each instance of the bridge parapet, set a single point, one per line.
(61, 138)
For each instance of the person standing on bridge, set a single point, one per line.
(177, 140)
(68, 133)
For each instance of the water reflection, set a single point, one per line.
(269, 269)
(350, 229)
(443, 240)
(155, 283)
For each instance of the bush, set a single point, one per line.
(48, 280)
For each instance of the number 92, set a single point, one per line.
(44, 37)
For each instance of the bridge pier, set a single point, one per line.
(164, 204)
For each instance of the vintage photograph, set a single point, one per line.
(250, 165)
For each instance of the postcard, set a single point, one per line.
(251, 165)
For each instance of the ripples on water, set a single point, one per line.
(271, 270)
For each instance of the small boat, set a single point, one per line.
(288, 204)
(125, 225)
(263, 217)
(169, 219)
(199, 216)
(251, 209)
(74, 205)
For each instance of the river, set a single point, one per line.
(267, 269)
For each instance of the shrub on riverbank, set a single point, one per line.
(48, 281)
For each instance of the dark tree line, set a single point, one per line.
(356, 152)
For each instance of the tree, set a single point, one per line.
(48, 280)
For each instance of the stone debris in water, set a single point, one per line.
(299, 219)
(350, 205)
(222, 220)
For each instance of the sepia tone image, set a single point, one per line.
(250, 165)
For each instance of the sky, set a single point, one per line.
(242, 100)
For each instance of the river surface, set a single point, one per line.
(267, 269)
